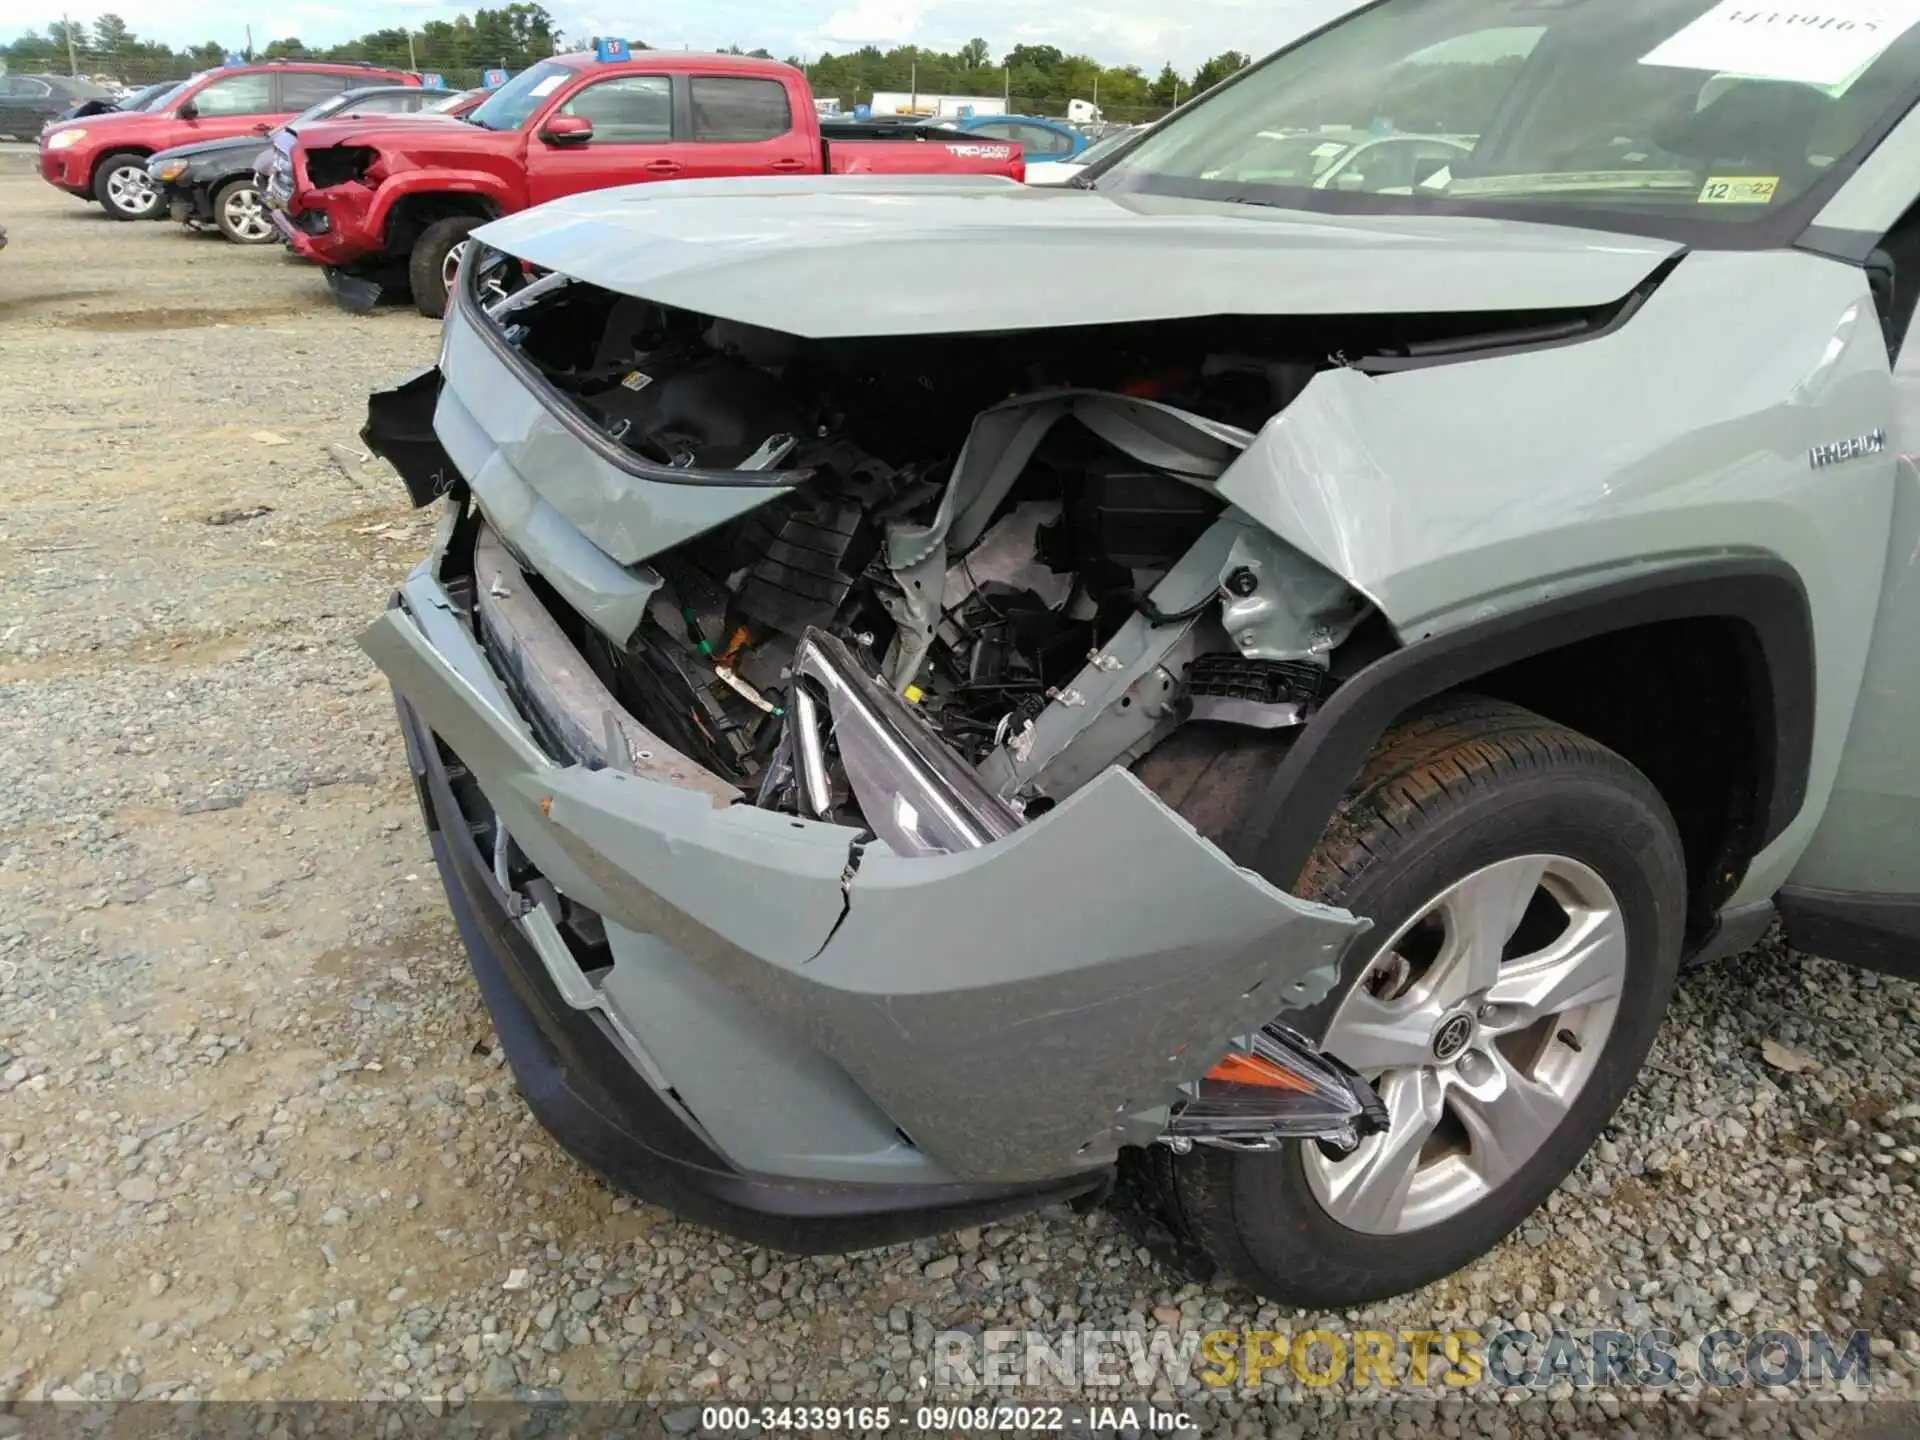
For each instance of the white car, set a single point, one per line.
(1059, 172)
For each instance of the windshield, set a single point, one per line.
(144, 98)
(1633, 115)
(1101, 149)
(162, 102)
(514, 103)
(318, 111)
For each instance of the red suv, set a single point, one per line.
(104, 157)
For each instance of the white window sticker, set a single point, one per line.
(1828, 43)
(548, 85)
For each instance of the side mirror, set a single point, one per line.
(567, 130)
(187, 111)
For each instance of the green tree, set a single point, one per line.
(530, 32)
(1168, 88)
(111, 38)
(59, 33)
(34, 52)
(1039, 77)
(1221, 67)
(1044, 58)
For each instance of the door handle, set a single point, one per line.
(789, 166)
(662, 167)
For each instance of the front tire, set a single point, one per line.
(436, 261)
(125, 190)
(240, 210)
(1528, 890)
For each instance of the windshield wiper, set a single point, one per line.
(1499, 187)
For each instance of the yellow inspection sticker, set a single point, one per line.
(1739, 189)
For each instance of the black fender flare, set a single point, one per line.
(1762, 593)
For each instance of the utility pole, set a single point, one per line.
(73, 58)
(913, 105)
(412, 64)
(249, 50)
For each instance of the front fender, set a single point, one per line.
(394, 189)
(1458, 492)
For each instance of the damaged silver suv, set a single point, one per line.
(908, 741)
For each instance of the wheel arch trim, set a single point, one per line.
(107, 156)
(1764, 594)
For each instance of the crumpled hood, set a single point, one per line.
(921, 255)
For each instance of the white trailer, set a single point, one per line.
(888, 103)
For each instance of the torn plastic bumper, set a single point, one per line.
(581, 1085)
(1019, 1010)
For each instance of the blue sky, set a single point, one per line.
(1140, 32)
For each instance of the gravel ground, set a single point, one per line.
(256, 1140)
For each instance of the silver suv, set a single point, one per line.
(909, 739)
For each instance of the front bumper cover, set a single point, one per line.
(66, 170)
(580, 1087)
(1019, 1011)
(332, 227)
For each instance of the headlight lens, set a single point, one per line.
(61, 139)
(172, 170)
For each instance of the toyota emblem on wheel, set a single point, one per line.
(1452, 1037)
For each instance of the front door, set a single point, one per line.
(632, 141)
(1855, 894)
(232, 105)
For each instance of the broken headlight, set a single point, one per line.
(1276, 1086)
(915, 793)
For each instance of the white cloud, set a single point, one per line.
(874, 22)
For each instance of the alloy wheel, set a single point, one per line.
(130, 189)
(1480, 1021)
(450, 267)
(492, 287)
(246, 215)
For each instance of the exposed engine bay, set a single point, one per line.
(1003, 596)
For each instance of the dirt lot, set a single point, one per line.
(254, 1138)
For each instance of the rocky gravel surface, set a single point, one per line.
(256, 1139)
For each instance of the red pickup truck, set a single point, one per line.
(104, 157)
(391, 205)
